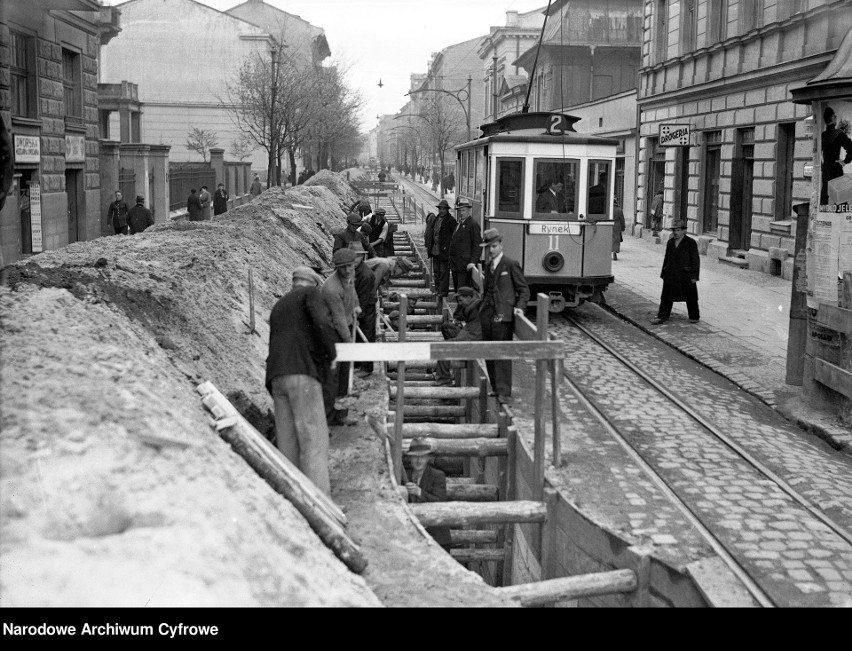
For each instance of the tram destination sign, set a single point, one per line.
(674, 135)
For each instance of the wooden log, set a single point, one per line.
(428, 319)
(421, 350)
(572, 587)
(438, 393)
(473, 536)
(455, 431)
(466, 447)
(471, 493)
(468, 555)
(419, 363)
(431, 410)
(461, 480)
(461, 514)
(416, 336)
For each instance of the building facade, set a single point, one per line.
(48, 96)
(719, 133)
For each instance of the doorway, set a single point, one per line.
(76, 210)
(742, 191)
(656, 175)
(712, 168)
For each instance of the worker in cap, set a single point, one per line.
(342, 301)
(380, 232)
(425, 483)
(465, 326)
(365, 288)
(300, 353)
(505, 295)
(352, 233)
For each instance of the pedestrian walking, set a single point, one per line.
(657, 212)
(117, 215)
(505, 295)
(464, 246)
(442, 234)
(193, 207)
(352, 233)
(618, 228)
(342, 301)
(220, 200)
(681, 265)
(298, 351)
(256, 187)
(206, 203)
(139, 218)
(366, 289)
(380, 232)
(465, 326)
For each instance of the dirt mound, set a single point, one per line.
(115, 491)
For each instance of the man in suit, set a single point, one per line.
(299, 351)
(206, 203)
(424, 483)
(552, 199)
(464, 246)
(505, 294)
(680, 275)
(442, 234)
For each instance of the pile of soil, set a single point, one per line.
(114, 488)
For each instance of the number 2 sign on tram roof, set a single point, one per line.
(674, 135)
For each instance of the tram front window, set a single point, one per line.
(598, 200)
(556, 189)
(509, 190)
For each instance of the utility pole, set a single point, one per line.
(273, 133)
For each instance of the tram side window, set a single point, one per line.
(556, 189)
(598, 201)
(509, 187)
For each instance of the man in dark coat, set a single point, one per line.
(352, 233)
(552, 199)
(430, 242)
(680, 275)
(139, 217)
(117, 215)
(193, 207)
(256, 187)
(424, 483)
(220, 200)
(365, 287)
(464, 246)
(465, 326)
(505, 294)
(298, 352)
(442, 235)
(379, 232)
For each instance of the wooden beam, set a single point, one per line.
(454, 431)
(571, 587)
(833, 377)
(473, 536)
(835, 318)
(466, 447)
(461, 514)
(446, 411)
(438, 393)
(467, 555)
(471, 493)
(464, 350)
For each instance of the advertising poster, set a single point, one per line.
(35, 217)
(829, 246)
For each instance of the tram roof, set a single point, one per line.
(550, 128)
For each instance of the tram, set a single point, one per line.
(549, 191)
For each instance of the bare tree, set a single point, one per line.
(242, 147)
(446, 128)
(201, 140)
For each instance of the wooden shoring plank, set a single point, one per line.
(473, 536)
(463, 514)
(400, 387)
(439, 393)
(430, 319)
(455, 431)
(438, 411)
(471, 493)
(466, 447)
(541, 367)
(482, 555)
(564, 588)
(448, 350)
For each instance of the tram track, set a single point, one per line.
(767, 591)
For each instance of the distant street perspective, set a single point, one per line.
(528, 304)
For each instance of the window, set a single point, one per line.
(751, 15)
(662, 32)
(23, 79)
(688, 26)
(510, 183)
(598, 199)
(556, 189)
(718, 27)
(73, 88)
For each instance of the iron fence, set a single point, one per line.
(185, 176)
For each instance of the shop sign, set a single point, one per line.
(75, 149)
(35, 217)
(808, 172)
(27, 149)
(674, 135)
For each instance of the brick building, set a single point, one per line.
(48, 96)
(719, 73)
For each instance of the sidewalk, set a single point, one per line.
(742, 334)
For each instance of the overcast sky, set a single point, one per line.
(390, 39)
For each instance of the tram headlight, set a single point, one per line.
(553, 261)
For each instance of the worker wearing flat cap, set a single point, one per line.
(365, 288)
(425, 483)
(342, 300)
(139, 217)
(300, 351)
(505, 295)
(352, 233)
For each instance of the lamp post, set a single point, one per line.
(456, 96)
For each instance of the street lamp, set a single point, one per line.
(456, 96)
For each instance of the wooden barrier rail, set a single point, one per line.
(460, 514)
(572, 587)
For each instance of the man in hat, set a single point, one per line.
(365, 288)
(464, 246)
(342, 301)
(681, 265)
(206, 203)
(193, 207)
(442, 234)
(299, 354)
(139, 217)
(256, 187)
(465, 326)
(352, 233)
(425, 483)
(551, 200)
(379, 232)
(220, 200)
(117, 214)
(505, 294)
